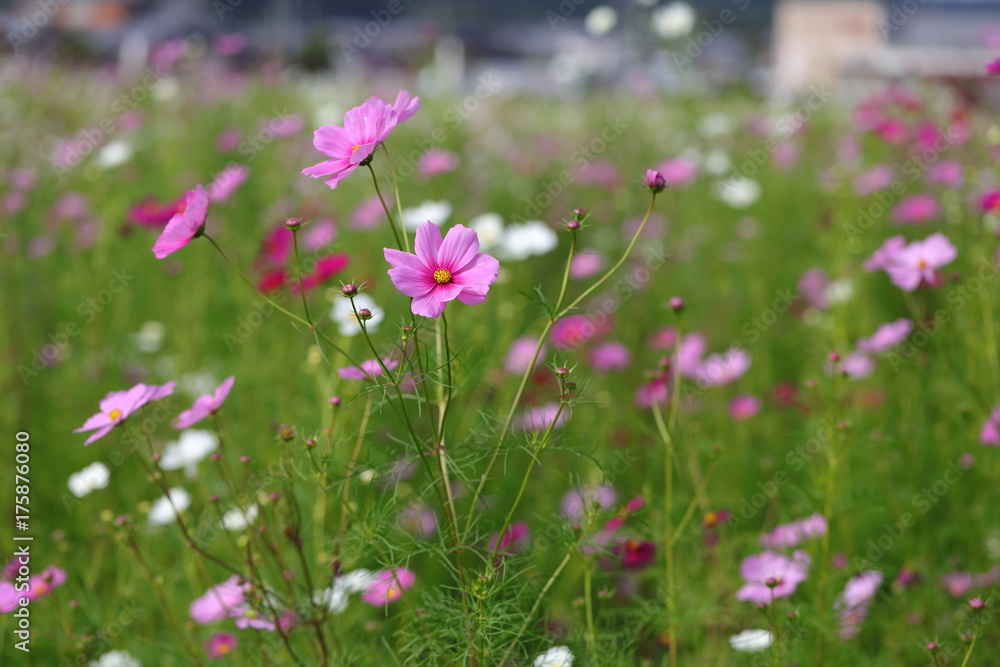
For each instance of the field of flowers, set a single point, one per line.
(306, 372)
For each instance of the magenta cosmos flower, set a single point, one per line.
(918, 261)
(770, 575)
(220, 645)
(442, 270)
(205, 405)
(388, 586)
(187, 224)
(993, 67)
(118, 405)
(352, 145)
(219, 601)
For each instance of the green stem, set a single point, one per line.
(395, 187)
(392, 223)
(968, 652)
(589, 605)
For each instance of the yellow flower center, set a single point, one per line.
(223, 648)
(114, 414)
(356, 147)
(922, 264)
(41, 588)
(393, 594)
(442, 276)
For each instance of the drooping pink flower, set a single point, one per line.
(388, 586)
(918, 261)
(348, 147)
(881, 258)
(744, 407)
(915, 209)
(610, 356)
(770, 575)
(576, 502)
(326, 268)
(519, 355)
(515, 539)
(405, 106)
(151, 213)
(721, 369)
(226, 181)
(187, 224)
(886, 337)
(442, 270)
(792, 534)
(118, 405)
(437, 161)
(369, 369)
(219, 601)
(220, 645)
(319, 235)
(205, 405)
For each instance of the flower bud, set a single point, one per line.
(572, 225)
(349, 290)
(676, 304)
(335, 401)
(364, 314)
(833, 356)
(655, 182)
(562, 371)
(293, 224)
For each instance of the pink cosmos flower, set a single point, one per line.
(320, 234)
(437, 161)
(442, 270)
(369, 369)
(519, 355)
(515, 539)
(41, 584)
(877, 178)
(918, 261)
(220, 645)
(689, 357)
(881, 258)
(219, 601)
(744, 407)
(368, 213)
(540, 417)
(886, 337)
(388, 586)
(576, 502)
(228, 140)
(610, 356)
(118, 405)
(205, 405)
(860, 590)
(10, 598)
(348, 147)
(188, 223)
(405, 106)
(284, 126)
(275, 249)
(226, 181)
(326, 268)
(678, 171)
(792, 534)
(572, 331)
(948, 173)
(915, 210)
(585, 264)
(993, 67)
(783, 573)
(957, 583)
(635, 554)
(654, 392)
(719, 369)
(856, 365)
(813, 285)
(151, 213)
(990, 433)
(419, 520)
(990, 202)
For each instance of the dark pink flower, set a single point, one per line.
(635, 554)
(990, 433)
(990, 202)
(220, 645)
(187, 224)
(515, 539)
(388, 586)
(770, 575)
(743, 407)
(442, 270)
(348, 147)
(326, 268)
(118, 405)
(205, 405)
(151, 213)
(226, 181)
(678, 171)
(993, 67)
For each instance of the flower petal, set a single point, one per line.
(460, 245)
(428, 244)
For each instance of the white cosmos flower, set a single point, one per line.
(489, 229)
(557, 656)
(187, 452)
(93, 477)
(717, 162)
(149, 338)
(336, 597)
(238, 519)
(437, 212)
(162, 511)
(601, 20)
(116, 659)
(674, 20)
(343, 314)
(524, 240)
(839, 291)
(115, 154)
(715, 125)
(739, 192)
(752, 641)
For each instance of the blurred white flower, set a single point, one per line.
(752, 641)
(196, 384)
(238, 519)
(489, 229)
(601, 20)
(93, 477)
(166, 89)
(188, 451)
(115, 154)
(344, 316)
(162, 511)
(557, 656)
(524, 240)
(336, 597)
(715, 125)
(839, 291)
(149, 338)
(116, 659)
(717, 162)
(437, 212)
(674, 20)
(739, 192)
